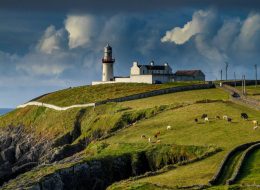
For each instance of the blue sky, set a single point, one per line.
(50, 45)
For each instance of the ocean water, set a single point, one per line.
(4, 110)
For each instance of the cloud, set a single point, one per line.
(81, 28)
(52, 40)
(227, 34)
(200, 23)
(249, 36)
(47, 65)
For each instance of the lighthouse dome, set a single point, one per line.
(108, 47)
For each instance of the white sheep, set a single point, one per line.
(143, 136)
(255, 127)
(206, 119)
(169, 127)
(225, 117)
(149, 139)
(255, 122)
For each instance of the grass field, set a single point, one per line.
(252, 91)
(153, 115)
(89, 94)
(251, 169)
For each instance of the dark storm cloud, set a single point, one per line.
(121, 5)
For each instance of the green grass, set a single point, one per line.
(186, 132)
(41, 121)
(230, 167)
(251, 170)
(152, 115)
(89, 94)
(252, 91)
(186, 97)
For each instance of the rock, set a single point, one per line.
(24, 168)
(35, 187)
(5, 142)
(8, 154)
(52, 182)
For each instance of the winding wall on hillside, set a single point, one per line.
(122, 99)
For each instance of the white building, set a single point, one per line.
(151, 74)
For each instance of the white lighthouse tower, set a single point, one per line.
(108, 62)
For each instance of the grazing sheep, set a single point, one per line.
(157, 134)
(196, 120)
(217, 117)
(204, 116)
(255, 122)
(143, 136)
(206, 119)
(255, 127)
(169, 127)
(229, 119)
(225, 117)
(244, 116)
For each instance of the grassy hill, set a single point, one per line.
(89, 94)
(186, 155)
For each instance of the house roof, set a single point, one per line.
(188, 72)
(153, 67)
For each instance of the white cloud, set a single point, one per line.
(227, 34)
(249, 37)
(201, 20)
(48, 65)
(52, 40)
(81, 29)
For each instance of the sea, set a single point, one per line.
(5, 110)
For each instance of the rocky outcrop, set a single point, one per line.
(19, 152)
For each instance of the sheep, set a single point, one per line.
(157, 134)
(225, 117)
(204, 116)
(244, 116)
(217, 117)
(229, 119)
(206, 119)
(196, 120)
(255, 122)
(168, 127)
(149, 139)
(255, 127)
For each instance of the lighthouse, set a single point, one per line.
(108, 62)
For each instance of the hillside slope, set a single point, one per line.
(95, 147)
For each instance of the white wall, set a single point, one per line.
(123, 79)
(142, 79)
(135, 70)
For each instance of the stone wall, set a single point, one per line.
(215, 179)
(158, 92)
(241, 163)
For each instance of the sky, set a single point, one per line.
(55, 44)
